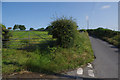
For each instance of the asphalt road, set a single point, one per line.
(106, 62)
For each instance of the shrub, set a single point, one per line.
(65, 31)
(5, 35)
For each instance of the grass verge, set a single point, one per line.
(47, 58)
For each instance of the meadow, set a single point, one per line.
(36, 51)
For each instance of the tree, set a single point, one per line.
(16, 27)
(65, 30)
(40, 29)
(22, 27)
(31, 28)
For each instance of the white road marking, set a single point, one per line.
(80, 71)
(90, 73)
(89, 65)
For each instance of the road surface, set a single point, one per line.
(106, 62)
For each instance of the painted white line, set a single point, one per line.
(90, 73)
(80, 71)
(89, 65)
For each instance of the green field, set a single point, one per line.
(42, 55)
(20, 39)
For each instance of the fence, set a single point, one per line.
(26, 39)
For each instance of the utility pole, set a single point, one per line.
(87, 19)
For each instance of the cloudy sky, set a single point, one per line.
(40, 14)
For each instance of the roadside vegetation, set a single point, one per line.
(62, 50)
(113, 37)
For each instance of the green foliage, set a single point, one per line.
(69, 58)
(45, 57)
(65, 31)
(16, 27)
(82, 30)
(49, 29)
(21, 27)
(40, 29)
(5, 35)
(25, 41)
(106, 34)
(31, 28)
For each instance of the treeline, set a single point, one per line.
(48, 28)
(22, 27)
(108, 35)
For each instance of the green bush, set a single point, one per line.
(5, 35)
(64, 30)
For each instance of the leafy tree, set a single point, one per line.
(65, 30)
(22, 27)
(31, 28)
(16, 27)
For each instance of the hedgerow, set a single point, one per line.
(107, 35)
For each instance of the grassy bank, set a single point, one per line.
(112, 37)
(45, 57)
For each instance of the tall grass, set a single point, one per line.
(47, 58)
(61, 59)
